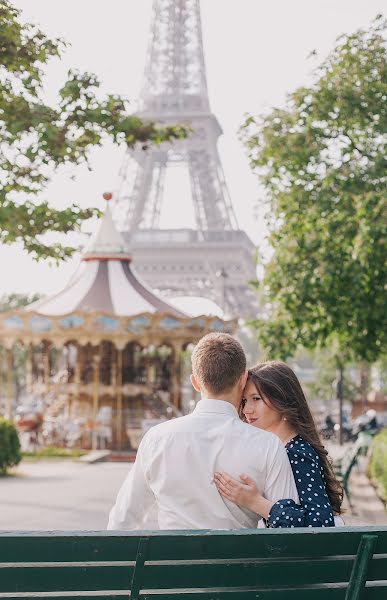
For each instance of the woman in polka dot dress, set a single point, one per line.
(273, 400)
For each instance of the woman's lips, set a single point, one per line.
(252, 420)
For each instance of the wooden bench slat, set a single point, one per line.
(261, 574)
(283, 545)
(167, 576)
(319, 592)
(62, 549)
(59, 579)
(116, 595)
(322, 593)
(250, 543)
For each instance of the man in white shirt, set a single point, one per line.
(176, 461)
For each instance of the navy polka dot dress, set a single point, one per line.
(314, 509)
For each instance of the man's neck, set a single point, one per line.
(230, 398)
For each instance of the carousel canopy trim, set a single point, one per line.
(105, 282)
(94, 327)
(107, 243)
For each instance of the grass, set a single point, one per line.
(377, 469)
(52, 452)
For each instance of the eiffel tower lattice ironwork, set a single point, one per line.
(216, 259)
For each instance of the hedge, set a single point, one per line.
(377, 469)
(9, 446)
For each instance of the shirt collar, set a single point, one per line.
(215, 406)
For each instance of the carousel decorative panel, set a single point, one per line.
(71, 322)
(104, 323)
(217, 325)
(170, 323)
(13, 322)
(196, 324)
(40, 324)
(137, 324)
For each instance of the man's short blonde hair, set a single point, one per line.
(218, 361)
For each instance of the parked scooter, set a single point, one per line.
(364, 423)
(328, 430)
(367, 422)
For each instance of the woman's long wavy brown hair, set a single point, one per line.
(278, 384)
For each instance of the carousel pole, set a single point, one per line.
(175, 379)
(46, 366)
(9, 382)
(119, 399)
(29, 369)
(96, 378)
(1, 373)
(77, 378)
(113, 367)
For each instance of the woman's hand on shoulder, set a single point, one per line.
(243, 492)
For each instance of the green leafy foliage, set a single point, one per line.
(36, 139)
(14, 301)
(322, 162)
(377, 468)
(9, 446)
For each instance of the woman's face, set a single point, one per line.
(258, 411)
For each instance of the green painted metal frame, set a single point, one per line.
(142, 549)
(359, 570)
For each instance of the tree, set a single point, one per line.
(321, 160)
(14, 301)
(36, 138)
(10, 455)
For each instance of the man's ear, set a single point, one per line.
(195, 383)
(244, 379)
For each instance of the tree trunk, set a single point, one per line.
(340, 397)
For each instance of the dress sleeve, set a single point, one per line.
(314, 509)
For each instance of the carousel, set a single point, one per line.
(105, 358)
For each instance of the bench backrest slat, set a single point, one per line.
(100, 546)
(255, 564)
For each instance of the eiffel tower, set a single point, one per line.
(214, 260)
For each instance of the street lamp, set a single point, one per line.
(223, 275)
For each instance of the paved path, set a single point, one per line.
(368, 508)
(59, 494)
(63, 494)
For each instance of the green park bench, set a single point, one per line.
(343, 467)
(289, 564)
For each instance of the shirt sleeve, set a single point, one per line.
(314, 509)
(135, 498)
(280, 481)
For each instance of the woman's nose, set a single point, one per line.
(248, 408)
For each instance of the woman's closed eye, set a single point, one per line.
(255, 398)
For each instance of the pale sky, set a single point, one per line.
(256, 52)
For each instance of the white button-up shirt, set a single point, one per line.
(174, 469)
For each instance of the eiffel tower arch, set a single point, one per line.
(214, 260)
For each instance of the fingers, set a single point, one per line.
(246, 479)
(227, 486)
(222, 483)
(226, 480)
(225, 492)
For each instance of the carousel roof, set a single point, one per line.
(105, 281)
